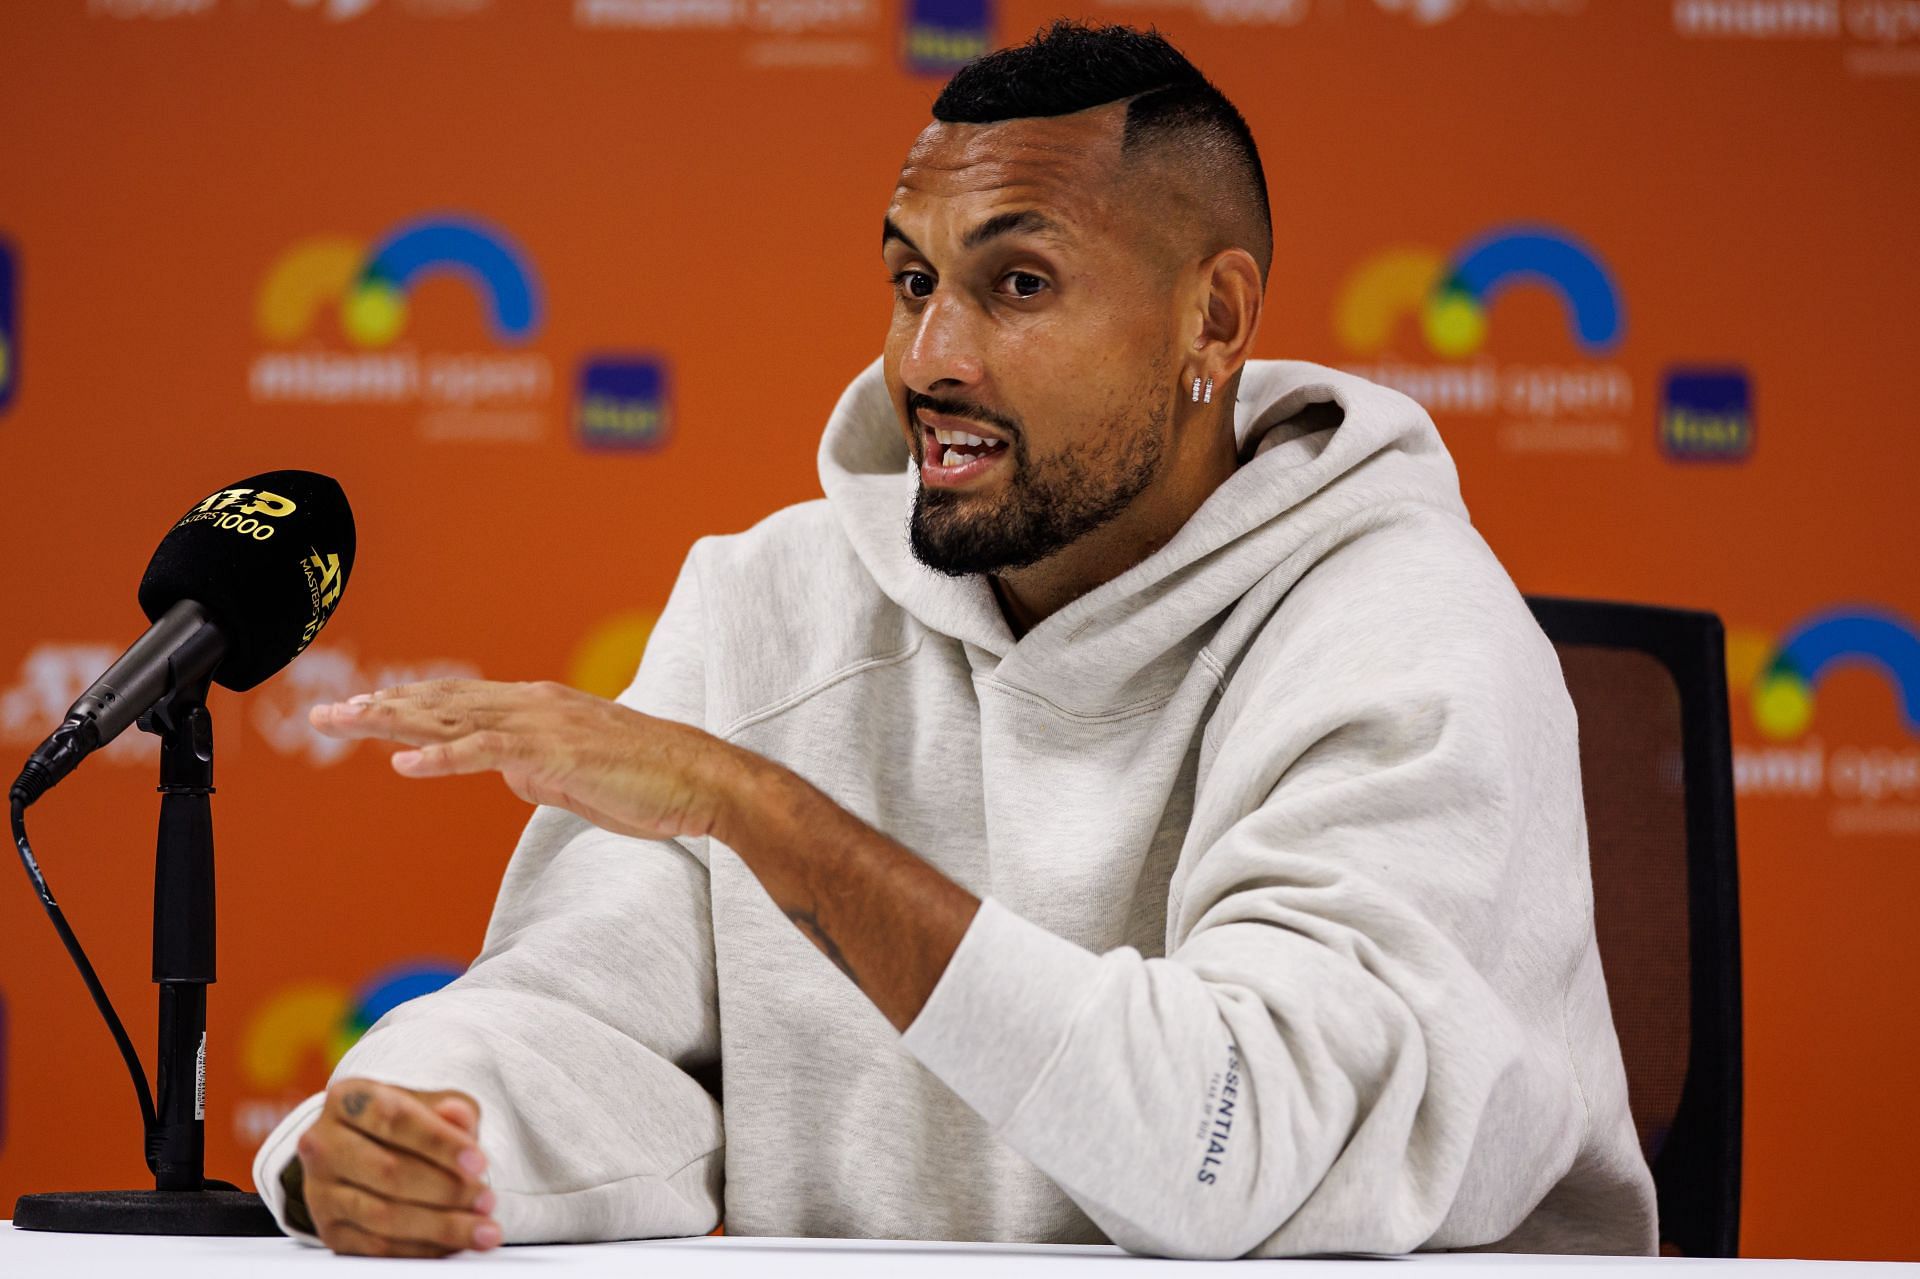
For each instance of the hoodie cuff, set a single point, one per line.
(1001, 1010)
(275, 1153)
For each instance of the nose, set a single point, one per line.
(943, 351)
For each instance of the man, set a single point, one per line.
(1135, 804)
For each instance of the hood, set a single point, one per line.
(1318, 448)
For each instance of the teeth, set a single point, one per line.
(960, 437)
(952, 459)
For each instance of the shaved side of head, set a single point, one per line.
(1185, 150)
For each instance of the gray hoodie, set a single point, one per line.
(1287, 940)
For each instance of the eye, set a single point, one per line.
(1025, 284)
(915, 286)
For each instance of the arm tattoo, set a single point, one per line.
(354, 1103)
(809, 924)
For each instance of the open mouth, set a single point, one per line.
(956, 455)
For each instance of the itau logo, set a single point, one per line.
(1804, 754)
(938, 37)
(3, 1073)
(9, 328)
(333, 292)
(1445, 299)
(1706, 414)
(622, 404)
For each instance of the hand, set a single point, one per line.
(873, 907)
(393, 1172)
(621, 770)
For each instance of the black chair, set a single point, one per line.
(1650, 688)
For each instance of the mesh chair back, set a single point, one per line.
(1649, 687)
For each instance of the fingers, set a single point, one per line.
(350, 1240)
(621, 770)
(457, 1108)
(392, 1172)
(398, 717)
(353, 1156)
(475, 753)
(369, 1220)
(395, 1117)
(416, 713)
(353, 1241)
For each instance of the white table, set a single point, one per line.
(27, 1254)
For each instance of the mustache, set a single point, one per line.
(961, 409)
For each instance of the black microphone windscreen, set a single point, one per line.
(267, 558)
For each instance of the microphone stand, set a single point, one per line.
(183, 1201)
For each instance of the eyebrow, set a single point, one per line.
(1028, 220)
(890, 232)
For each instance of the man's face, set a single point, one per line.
(1031, 312)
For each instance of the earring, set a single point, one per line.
(1196, 390)
(1207, 398)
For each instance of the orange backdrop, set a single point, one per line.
(555, 288)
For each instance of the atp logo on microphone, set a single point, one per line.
(325, 581)
(248, 520)
(9, 344)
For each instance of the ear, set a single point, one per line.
(1230, 297)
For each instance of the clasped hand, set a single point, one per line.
(621, 770)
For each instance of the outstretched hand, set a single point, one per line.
(881, 914)
(621, 770)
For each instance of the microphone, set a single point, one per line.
(236, 589)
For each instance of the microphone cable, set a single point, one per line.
(149, 1121)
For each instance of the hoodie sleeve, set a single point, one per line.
(1358, 1038)
(586, 1022)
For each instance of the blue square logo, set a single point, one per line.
(941, 36)
(622, 405)
(9, 327)
(3, 1073)
(1706, 414)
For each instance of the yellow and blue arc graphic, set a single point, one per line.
(322, 1019)
(1783, 689)
(1451, 294)
(371, 285)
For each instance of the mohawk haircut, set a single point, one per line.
(1073, 66)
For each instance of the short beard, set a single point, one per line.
(1043, 510)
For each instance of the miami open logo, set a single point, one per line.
(1423, 319)
(1776, 683)
(339, 312)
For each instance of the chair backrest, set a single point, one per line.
(1650, 688)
